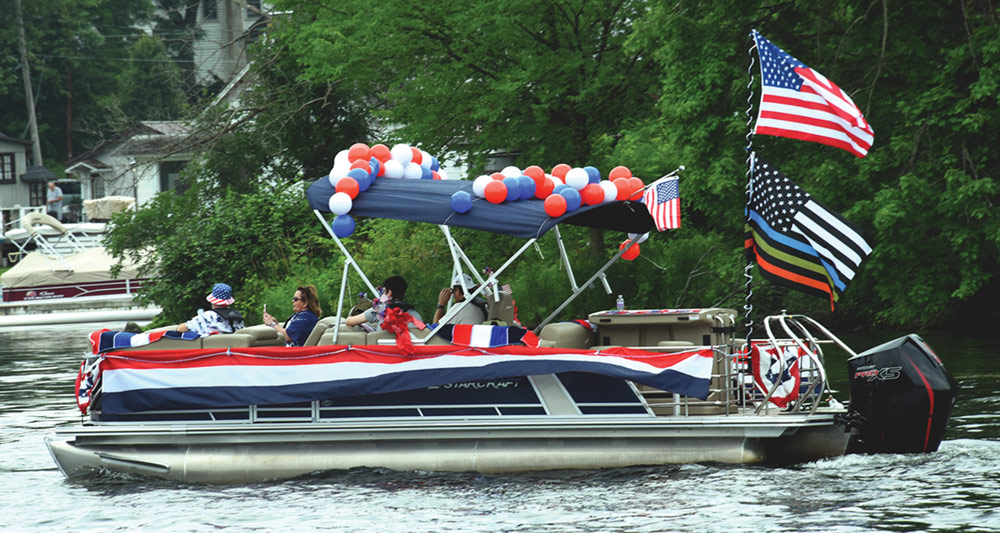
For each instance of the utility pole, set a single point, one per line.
(36, 146)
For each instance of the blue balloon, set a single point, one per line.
(593, 174)
(559, 188)
(461, 201)
(527, 186)
(375, 165)
(343, 225)
(361, 177)
(425, 173)
(572, 197)
(435, 164)
(513, 188)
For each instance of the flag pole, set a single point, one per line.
(748, 267)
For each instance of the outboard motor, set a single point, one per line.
(901, 398)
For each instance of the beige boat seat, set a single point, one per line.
(227, 340)
(567, 335)
(375, 336)
(261, 335)
(502, 310)
(324, 324)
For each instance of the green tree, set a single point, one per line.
(150, 87)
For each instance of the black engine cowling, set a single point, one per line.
(901, 398)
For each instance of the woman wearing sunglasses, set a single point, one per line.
(297, 328)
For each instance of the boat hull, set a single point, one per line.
(241, 453)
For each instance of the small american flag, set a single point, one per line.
(662, 198)
(800, 103)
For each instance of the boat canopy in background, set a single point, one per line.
(430, 201)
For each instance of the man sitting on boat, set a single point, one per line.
(474, 313)
(220, 319)
(391, 298)
(297, 328)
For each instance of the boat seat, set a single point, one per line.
(166, 344)
(567, 335)
(347, 336)
(262, 335)
(381, 334)
(319, 329)
(227, 340)
(501, 310)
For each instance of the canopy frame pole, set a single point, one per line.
(565, 258)
(340, 300)
(343, 250)
(577, 292)
(457, 249)
(491, 279)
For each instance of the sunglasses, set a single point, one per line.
(297, 299)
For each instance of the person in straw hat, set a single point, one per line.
(220, 319)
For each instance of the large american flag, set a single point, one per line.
(662, 198)
(800, 103)
(795, 240)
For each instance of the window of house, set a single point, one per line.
(251, 13)
(96, 186)
(37, 193)
(170, 172)
(6, 168)
(209, 9)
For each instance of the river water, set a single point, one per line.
(956, 488)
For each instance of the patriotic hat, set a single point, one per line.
(222, 294)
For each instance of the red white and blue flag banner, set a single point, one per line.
(107, 340)
(485, 336)
(800, 103)
(663, 199)
(206, 378)
(777, 367)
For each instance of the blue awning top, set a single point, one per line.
(430, 201)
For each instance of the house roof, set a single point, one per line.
(92, 165)
(147, 137)
(4, 137)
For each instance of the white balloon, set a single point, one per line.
(341, 203)
(341, 159)
(610, 191)
(555, 180)
(334, 177)
(425, 159)
(442, 173)
(479, 185)
(393, 169)
(638, 239)
(511, 172)
(402, 153)
(412, 172)
(577, 178)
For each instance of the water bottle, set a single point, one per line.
(620, 303)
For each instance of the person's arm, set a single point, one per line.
(443, 297)
(271, 321)
(182, 327)
(356, 320)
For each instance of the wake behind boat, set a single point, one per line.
(621, 388)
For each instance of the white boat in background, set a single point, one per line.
(63, 275)
(621, 388)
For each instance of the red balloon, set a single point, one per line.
(560, 170)
(619, 172)
(417, 156)
(495, 192)
(536, 173)
(435, 175)
(592, 194)
(635, 186)
(544, 188)
(381, 152)
(349, 186)
(631, 253)
(381, 168)
(362, 164)
(555, 205)
(358, 151)
(497, 176)
(624, 189)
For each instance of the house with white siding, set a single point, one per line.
(226, 27)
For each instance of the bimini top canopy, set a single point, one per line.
(430, 201)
